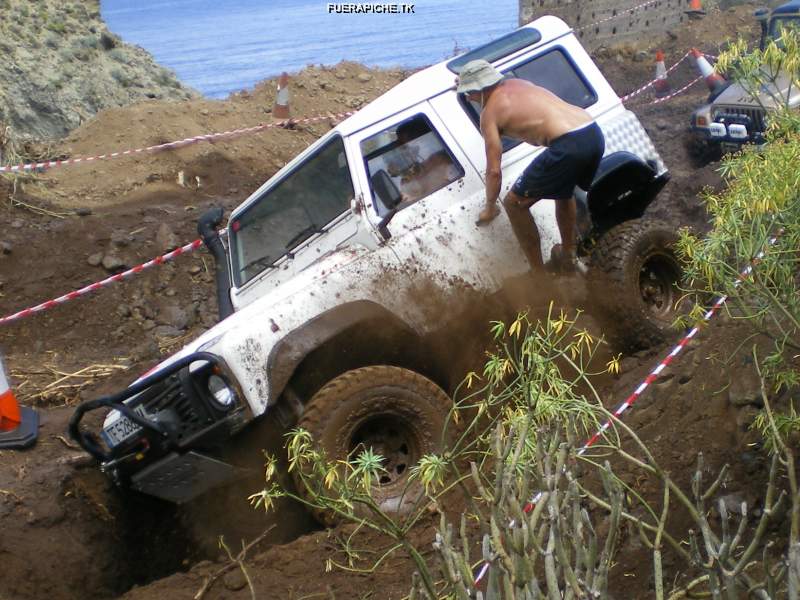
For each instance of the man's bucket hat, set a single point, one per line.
(477, 75)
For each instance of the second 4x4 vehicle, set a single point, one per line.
(733, 116)
(337, 270)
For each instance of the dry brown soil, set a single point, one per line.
(66, 532)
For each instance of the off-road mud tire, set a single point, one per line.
(635, 283)
(367, 400)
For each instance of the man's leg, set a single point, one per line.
(565, 217)
(524, 227)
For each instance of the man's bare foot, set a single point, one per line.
(488, 214)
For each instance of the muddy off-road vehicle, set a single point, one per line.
(732, 116)
(336, 272)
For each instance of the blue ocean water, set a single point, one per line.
(222, 46)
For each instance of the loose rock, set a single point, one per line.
(113, 263)
(166, 240)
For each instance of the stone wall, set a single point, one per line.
(625, 27)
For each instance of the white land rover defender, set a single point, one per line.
(335, 272)
(732, 116)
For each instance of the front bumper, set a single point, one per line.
(173, 433)
(731, 128)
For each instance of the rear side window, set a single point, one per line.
(553, 71)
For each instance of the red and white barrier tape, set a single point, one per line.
(103, 283)
(628, 402)
(169, 145)
(621, 13)
(675, 93)
(650, 83)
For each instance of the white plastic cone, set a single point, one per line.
(661, 85)
(19, 427)
(281, 108)
(715, 82)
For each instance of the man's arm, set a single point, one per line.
(494, 174)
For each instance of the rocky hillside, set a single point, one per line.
(62, 66)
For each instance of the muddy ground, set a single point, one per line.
(67, 533)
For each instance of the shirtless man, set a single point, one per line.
(575, 145)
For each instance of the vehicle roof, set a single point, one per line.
(788, 8)
(434, 80)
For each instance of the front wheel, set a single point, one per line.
(636, 283)
(397, 413)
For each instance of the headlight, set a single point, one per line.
(702, 117)
(223, 394)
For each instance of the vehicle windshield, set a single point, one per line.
(301, 205)
(778, 23)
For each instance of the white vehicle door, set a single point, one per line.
(416, 176)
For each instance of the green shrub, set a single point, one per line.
(120, 77)
(119, 55)
(56, 26)
(89, 42)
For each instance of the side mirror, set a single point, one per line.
(386, 189)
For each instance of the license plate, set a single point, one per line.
(123, 428)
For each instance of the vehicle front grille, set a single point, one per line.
(167, 403)
(756, 115)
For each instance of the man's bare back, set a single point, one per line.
(530, 113)
(525, 111)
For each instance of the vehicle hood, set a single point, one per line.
(736, 95)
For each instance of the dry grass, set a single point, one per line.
(53, 386)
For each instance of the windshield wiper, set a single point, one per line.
(265, 261)
(303, 235)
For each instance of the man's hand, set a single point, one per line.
(488, 214)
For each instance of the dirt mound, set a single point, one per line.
(67, 533)
(67, 66)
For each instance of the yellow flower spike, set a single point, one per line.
(573, 350)
(515, 328)
(472, 375)
(331, 477)
(506, 366)
(612, 366)
(269, 467)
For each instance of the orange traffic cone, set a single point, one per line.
(695, 10)
(281, 108)
(19, 426)
(661, 83)
(715, 82)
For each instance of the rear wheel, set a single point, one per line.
(636, 281)
(397, 413)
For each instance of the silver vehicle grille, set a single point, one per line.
(756, 115)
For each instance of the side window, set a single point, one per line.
(552, 71)
(300, 205)
(407, 162)
(555, 72)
